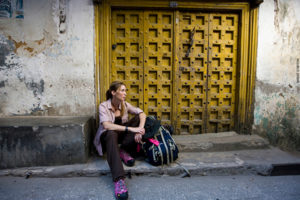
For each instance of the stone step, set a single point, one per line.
(225, 141)
(243, 162)
(35, 141)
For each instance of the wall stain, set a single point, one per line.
(36, 110)
(284, 10)
(282, 126)
(31, 48)
(276, 10)
(2, 84)
(6, 47)
(37, 88)
(269, 89)
(39, 42)
(17, 44)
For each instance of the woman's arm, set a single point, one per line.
(142, 119)
(113, 127)
(141, 131)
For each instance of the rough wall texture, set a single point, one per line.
(277, 93)
(46, 62)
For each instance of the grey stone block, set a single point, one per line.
(212, 142)
(44, 141)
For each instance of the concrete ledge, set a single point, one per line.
(40, 141)
(227, 141)
(244, 162)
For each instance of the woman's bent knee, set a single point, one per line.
(111, 135)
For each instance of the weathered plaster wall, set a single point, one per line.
(277, 93)
(43, 71)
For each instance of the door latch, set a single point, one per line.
(191, 43)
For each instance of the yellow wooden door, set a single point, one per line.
(178, 66)
(206, 78)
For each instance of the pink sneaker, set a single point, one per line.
(126, 158)
(121, 191)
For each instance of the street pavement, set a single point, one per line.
(238, 187)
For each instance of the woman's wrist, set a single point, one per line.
(126, 129)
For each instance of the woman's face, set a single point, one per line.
(120, 94)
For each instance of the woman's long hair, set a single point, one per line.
(114, 86)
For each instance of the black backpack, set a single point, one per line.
(159, 147)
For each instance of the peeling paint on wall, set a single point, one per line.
(276, 10)
(2, 84)
(277, 93)
(43, 72)
(277, 119)
(6, 47)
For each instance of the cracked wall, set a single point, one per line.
(44, 70)
(277, 93)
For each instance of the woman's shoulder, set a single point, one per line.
(105, 104)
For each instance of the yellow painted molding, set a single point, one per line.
(242, 86)
(97, 56)
(252, 66)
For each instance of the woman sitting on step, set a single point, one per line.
(114, 129)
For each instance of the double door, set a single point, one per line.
(179, 66)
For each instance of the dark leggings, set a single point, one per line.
(110, 141)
